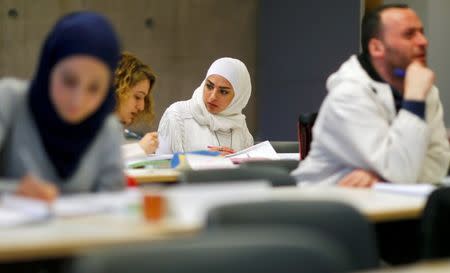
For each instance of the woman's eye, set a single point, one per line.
(224, 92)
(93, 89)
(70, 81)
(210, 86)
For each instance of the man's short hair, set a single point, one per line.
(371, 24)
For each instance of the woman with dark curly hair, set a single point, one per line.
(134, 82)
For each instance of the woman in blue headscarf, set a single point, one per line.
(58, 134)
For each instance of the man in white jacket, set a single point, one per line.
(382, 118)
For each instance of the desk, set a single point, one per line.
(441, 266)
(144, 176)
(66, 237)
(377, 206)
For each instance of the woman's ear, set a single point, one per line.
(376, 48)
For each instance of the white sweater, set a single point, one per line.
(179, 132)
(358, 127)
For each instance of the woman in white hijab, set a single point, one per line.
(212, 119)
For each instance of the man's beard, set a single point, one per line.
(395, 59)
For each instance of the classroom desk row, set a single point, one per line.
(377, 206)
(66, 237)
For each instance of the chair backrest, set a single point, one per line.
(286, 164)
(436, 225)
(223, 251)
(336, 220)
(276, 175)
(285, 146)
(305, 125)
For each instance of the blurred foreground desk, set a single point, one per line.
(377, 206)
(66, 237)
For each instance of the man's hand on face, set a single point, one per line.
(418, 81)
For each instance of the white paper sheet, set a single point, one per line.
(15, 210)
(406, 189)
(260, 150)
(204, 162)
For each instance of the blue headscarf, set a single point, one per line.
(81, 33)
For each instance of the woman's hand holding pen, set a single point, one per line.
(149, 142)
(221, 149)
(34, 187)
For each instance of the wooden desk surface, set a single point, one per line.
(65, 237)
(440, 266)
(144, 176)
(377, 206)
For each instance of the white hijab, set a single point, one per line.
(237, 74)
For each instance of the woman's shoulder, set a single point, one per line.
(12, 89)
(178, 111)
(11, 92)
(112, 124)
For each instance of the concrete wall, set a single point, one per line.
(435, 15)
(179, 39)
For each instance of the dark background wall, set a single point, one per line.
(300, 43)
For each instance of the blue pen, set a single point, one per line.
(132, 134)
(399, 73)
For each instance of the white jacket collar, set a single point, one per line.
(351, 70)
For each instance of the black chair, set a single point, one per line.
(286, 164)
(305, 124)
(436, 225)
(223, 251)
(276, 176)
(333, 219)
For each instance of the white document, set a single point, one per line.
(15, 210)
(260, 150)
(205, 162)
(406, 189)
(132, 150)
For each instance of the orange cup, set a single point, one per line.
(154, 206)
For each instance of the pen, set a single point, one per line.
(132, 134)
(399, 73)
(31, 168)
